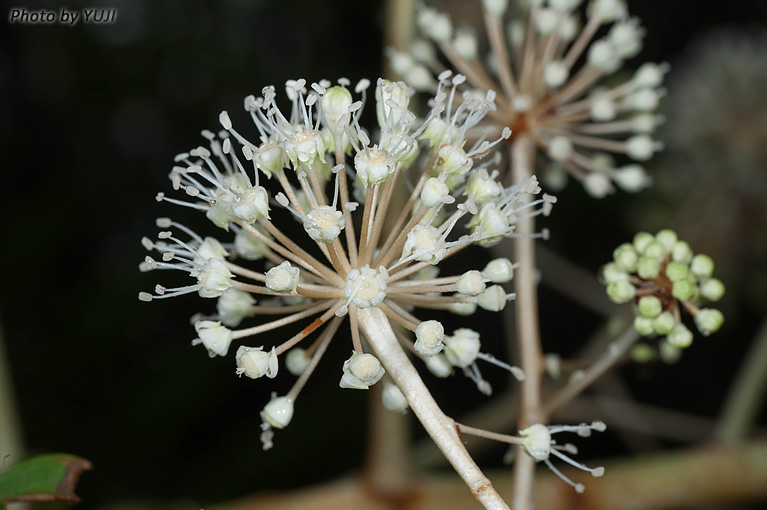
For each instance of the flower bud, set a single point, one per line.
(683, 290)
(335, 109)
(669, 353)
(499, 270)
(433, 192)
(611, 272)
(438, 365)
(643, 325)
(642, 240)
(471, 283)
(667, 238)
(493, 299)
(296, 361)
(709, 320)
(621, 291)
(648, 267)
(625, 257)
(712, 289)
(664, 323)
(702, 265)
(393, 399)
(650, 307)
(679, 337)
(681, 252)
(278, 412)
(462, 309)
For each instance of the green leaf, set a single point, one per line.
(43, 478)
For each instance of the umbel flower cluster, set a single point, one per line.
(664, 277)
(337, 235)
(550, 65)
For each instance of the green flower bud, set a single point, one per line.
(683, 290)
(650, 307)
(643, 353)
(680, 337)
(641, 240)
(667, 238)
(664, 323)
(648, 267)
(681, 252)
(643, 325)
(669, 354)
(655, 250)
(626, 257)
(676, 271)
(712, 289)
(335, 109)
(709, 320)
(621, 291)
(702, 265)
(612, 273)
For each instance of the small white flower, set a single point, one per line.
(213, 336)
(361, 371)
(278, 412)
(425, 244)
(453, 160)
(462, 348)
(233, 306)
(255, 363)
(282, 278)
(214, 278)
(393, 399)
(429, 336)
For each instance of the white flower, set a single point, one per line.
(233, 306)
(254, 362)
(278, 412)
(213, 336)
(361, 371)
(429, 336)
(282, 278)
(462, 348)
(393, 399)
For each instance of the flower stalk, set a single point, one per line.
(439, 426)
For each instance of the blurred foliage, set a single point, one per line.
(91, 118)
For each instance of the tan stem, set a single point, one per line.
(528, 334)
(440, 427)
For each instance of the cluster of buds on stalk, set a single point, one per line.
(549, 61)
(303, 249)
(662, 275)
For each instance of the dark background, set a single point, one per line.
(90, 119)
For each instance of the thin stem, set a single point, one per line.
(614, 353)
(746, 393)
(439, 426)
(528, 334)
(503, 438)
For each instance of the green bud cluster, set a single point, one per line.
(662, 276)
